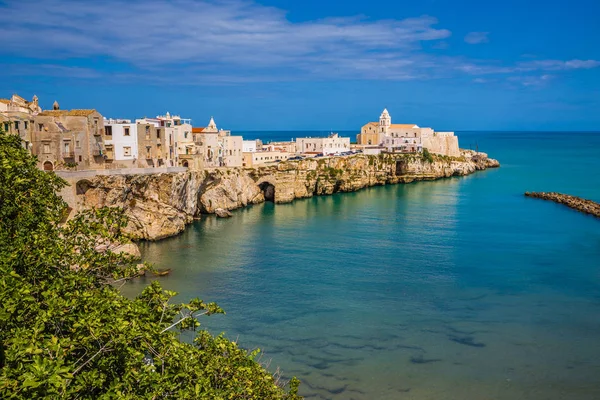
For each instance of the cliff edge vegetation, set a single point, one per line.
(65, 330)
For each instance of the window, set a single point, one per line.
(67, 148)
(108, 130)
(6, 126)
(77, 144)
(17, 125)
(80, 159)
(40, 127)
(126, 131)
(25, 124)
(158, 133)
(147, 132)
(46, 148)
(185, 134)
(127, 151)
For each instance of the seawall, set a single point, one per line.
(160, 205)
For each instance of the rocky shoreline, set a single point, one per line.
(161, 205)
(574, 202)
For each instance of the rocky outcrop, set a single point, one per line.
(221, 213)
(576, 203)
(161, 205)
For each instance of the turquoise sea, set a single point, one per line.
(450, 290)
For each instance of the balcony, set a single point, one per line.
(186, 156)
(109, 155)
(97, 132)
(97, 152)
(68, 154)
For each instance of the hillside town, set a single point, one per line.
(84, 139)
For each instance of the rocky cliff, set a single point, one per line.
(161, 205)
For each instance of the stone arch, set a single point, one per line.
(48, 166)
(82, 186)
(185, 164)
(267, 186)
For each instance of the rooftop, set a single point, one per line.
(68, 113)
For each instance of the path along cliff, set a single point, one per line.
(161, 205)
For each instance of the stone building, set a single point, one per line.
(68, 139)
(217, 147)
(406, 138)
(153, 144)
(16, 117)
(333, 144)
(178, 146)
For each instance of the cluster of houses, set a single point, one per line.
(82, 139)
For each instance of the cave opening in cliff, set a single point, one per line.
(82, 186)
(268, 191)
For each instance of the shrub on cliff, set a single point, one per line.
(65, 330)
(427, 155)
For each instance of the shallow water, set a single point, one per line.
(454, 289)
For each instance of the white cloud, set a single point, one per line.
(477, 37)
(214, 37)
(531, 80)
(558, 65)
(199, 42)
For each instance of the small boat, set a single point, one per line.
(162, 272)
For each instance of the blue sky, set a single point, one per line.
(294, 65)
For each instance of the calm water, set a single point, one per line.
(455, 289)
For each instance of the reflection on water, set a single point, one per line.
(454, 289)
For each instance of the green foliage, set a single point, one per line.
(427, 155)
(65, 330)
(333, 172)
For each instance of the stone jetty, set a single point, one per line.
(576, 203)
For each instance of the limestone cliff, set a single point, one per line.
(161, 205)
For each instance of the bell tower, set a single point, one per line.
(385, 120)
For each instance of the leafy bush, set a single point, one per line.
(427, 155)
(65, 330)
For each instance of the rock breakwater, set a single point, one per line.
(576, 203)
(161, 205)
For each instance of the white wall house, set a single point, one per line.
(121, 134)
(249, 146)
(333, 144)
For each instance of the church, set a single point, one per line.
(406, 138)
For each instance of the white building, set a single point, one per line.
(333, 144)
(121, 134)
(249, 146)
(253, 159)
